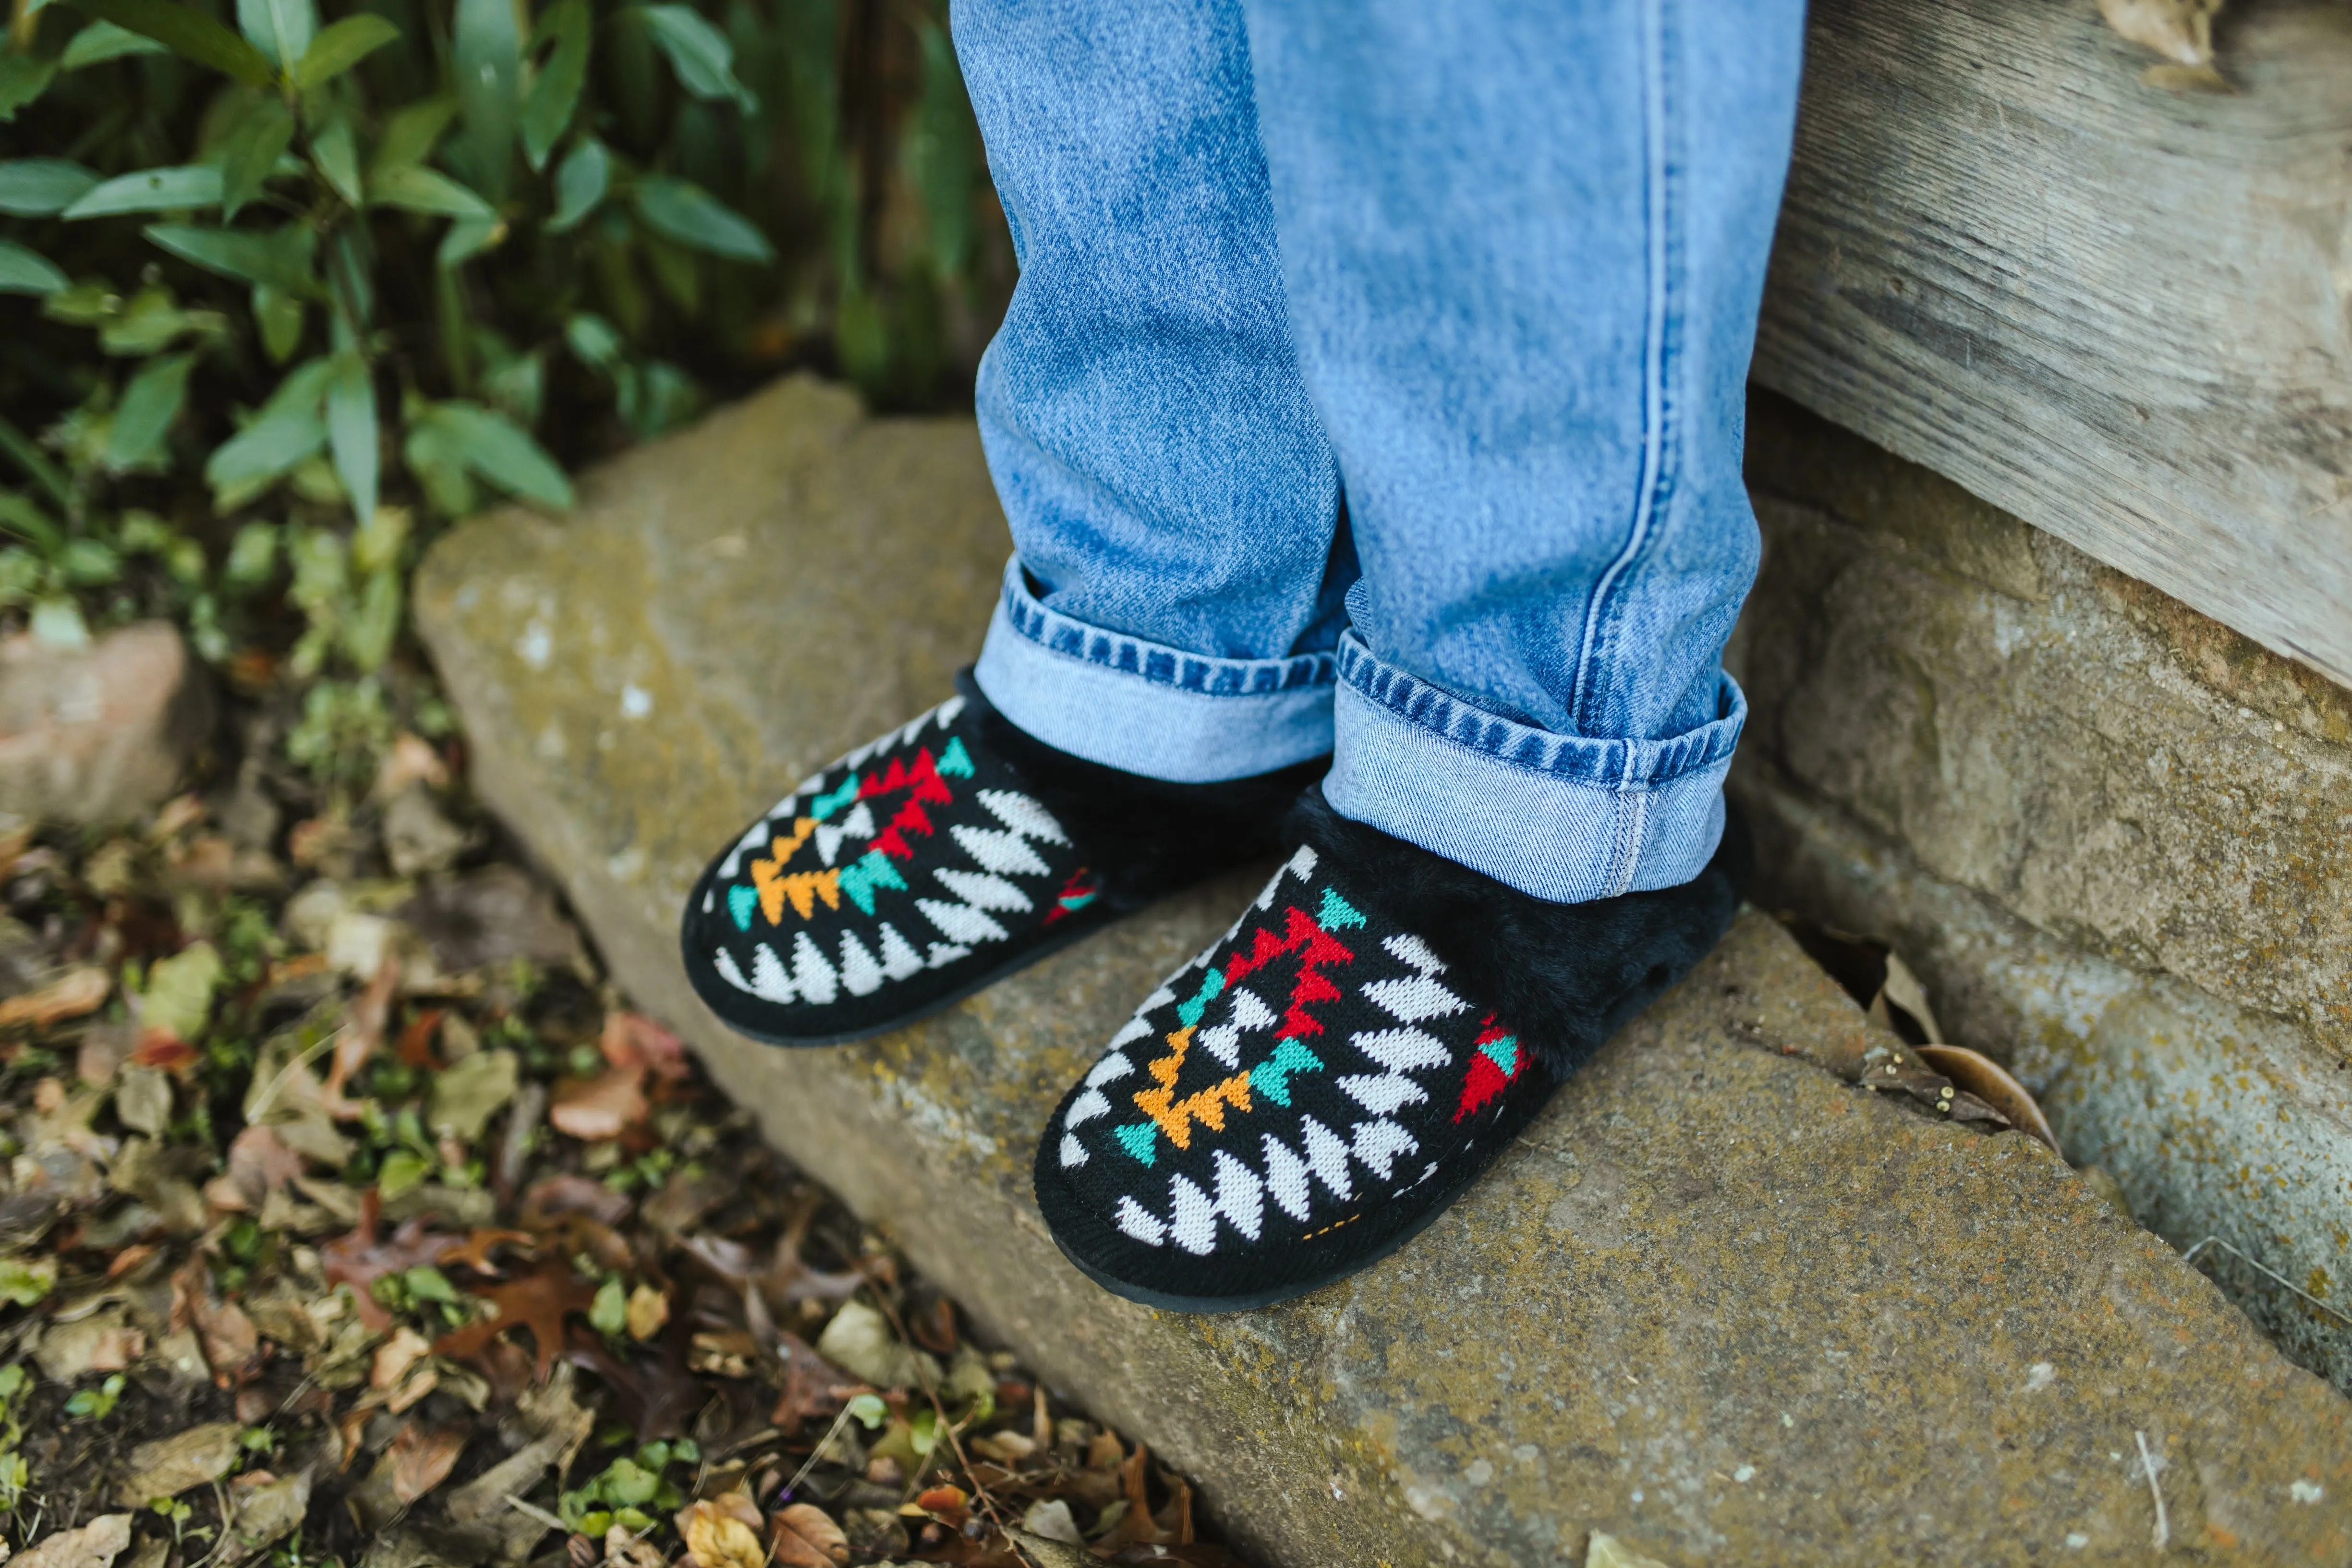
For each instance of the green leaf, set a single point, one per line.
(150, 190)
(29, 522)
(417, 189)
(337, 155)
(281, 260)
(280, 29)
(469, 238)
(248, 155)
(699, 54)
(23, 79)
(340, 47)
(581, 181)
(151, 321)
(609, 1315)
(280, 316)
(351, 431)
(500, 451)
(693, 217)
(592, 340)
(36, 464)
(149, 404)
(102, 41)
(286, 431)
(186, 32)
(23, 271)
(38, 187)
(410, 133)
(24, 1280)
(555, 93)
(490, 87)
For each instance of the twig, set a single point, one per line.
(304, 1059)
(2277, 1278)
(2162, 1535)
(955, 1445)
(533, 1511)
(792, 1486)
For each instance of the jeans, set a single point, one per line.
(1375, 383)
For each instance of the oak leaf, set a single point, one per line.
(539, 1301)
(803, 1536)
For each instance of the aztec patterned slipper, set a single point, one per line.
(927, 864)
(1299, 1100)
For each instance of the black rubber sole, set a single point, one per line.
(717, 994)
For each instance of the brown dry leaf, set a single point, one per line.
(259, 1163)
(422, 1459)
(552, 1199)
(410, 760)
(361, 1035)
(165, 1468)
(718, 1537)
(359, 1259)
(71, 996)
(803, 1536)
(474, 1252)
(657, 1394)
(1136, 1525)
(633, 1040)
(1978, 1074)
(813, 1386)
(649, 1309)
(223, 1332)
(2179, 30)
(415, 1047)
(622, 1550)
(396, 1356)
(539, 1301)
(596, 1108)
(94, 1545)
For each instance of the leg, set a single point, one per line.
(1171, 498)
(1525, 246)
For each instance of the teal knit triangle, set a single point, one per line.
(824, 805)
(1504, 1053)
(1337, 911)
(873, 869)
(1271, 1078)
(740, 901)
(1141, 1139)
(1190, 1011)
(955, 763)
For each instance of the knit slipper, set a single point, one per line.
(934, 861)
(1299, 1100)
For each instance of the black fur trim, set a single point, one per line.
(1567, 976)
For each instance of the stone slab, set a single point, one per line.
(1717, 1303)
(98, 733)
(2110, 835)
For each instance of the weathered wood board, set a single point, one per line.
(2123, 314)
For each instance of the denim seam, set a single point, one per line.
(1579, 759)
(1198, 675)
(1656, 484)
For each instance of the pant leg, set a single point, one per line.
(1523, 244)
(1170, 609)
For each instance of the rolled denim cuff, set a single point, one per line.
(1147, 708)
(1559, 816)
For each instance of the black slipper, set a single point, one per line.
(927, 864)
(1299, 1100)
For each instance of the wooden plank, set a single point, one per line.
(2122, 314)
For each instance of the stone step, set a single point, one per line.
(1717, 1303)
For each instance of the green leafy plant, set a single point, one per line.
(298, 284)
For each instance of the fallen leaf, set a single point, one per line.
(466, 1096)
(71, 996)
(1136, 1525)
(475, 1251)
(265, 1511)
(102, 1341)
(718, 1537)
(2179, 30)
(94, 1545)
(859, 1341)
(393, 1358)
(1608, 1551)
(142, 1100)
(1051, 1518)
(410, 759)
(634, 1040)
(178, 999)
(415, 1047)
(491, 917)
(563, 1195)
(649, 1309)
(622, 1550)
(359, 1258)
(596, 1108)
(803, 1536)
(539, 1301)
(363, 1033)
(422, 1459)
(1988, 1080)
(258, 1162)
(813, 1386)
(166, 1468)
(657, 1394)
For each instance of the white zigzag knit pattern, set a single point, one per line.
(883, 953)
(1290, 1172)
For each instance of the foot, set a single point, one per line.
(1300, 1100)
(948, 853)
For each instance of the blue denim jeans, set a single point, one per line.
(1375, 383)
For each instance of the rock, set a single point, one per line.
(2108, 833)
(99, 733)
(1717, 1304)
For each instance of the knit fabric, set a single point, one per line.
(935, 860)
(1323, 1080)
